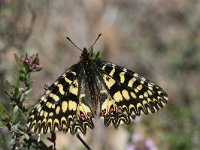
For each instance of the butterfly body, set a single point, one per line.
(91, 88)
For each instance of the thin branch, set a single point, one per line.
(53, 140)
(83, 142)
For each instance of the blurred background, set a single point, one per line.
(158, 39)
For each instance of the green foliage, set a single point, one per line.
(99, 55)
(14, 117)
(4, 116)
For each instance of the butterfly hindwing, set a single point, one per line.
(129, 93)
(59, 107)
(108, 106)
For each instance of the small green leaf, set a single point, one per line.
(7, 84)
(22, 97)
(28, 77)
(2, 124)
(2, 109)
(99, 55)
(18, 115)
(28, 91)
(4, 116)
(27, 137)
(16, 108)
(17, 60)
(23, 70)
(10, 90)
(28, 107)
(91, 50)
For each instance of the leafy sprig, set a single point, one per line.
(14, 117)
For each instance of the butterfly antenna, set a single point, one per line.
(74, 44)
(95, 41)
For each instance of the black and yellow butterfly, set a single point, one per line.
(94, 87)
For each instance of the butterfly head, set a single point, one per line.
(88, 54)
(85, 55)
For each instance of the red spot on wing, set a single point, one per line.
(82, 115)
(111, 109)
(89, 114)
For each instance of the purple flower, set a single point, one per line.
(131, 147)
(137, 137)
(137, 119)
(150, 144)
(31, 62)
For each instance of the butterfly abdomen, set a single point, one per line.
(88, 72)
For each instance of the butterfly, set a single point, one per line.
(94, 88)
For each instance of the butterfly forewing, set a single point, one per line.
(128, 94)
(60, 107)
